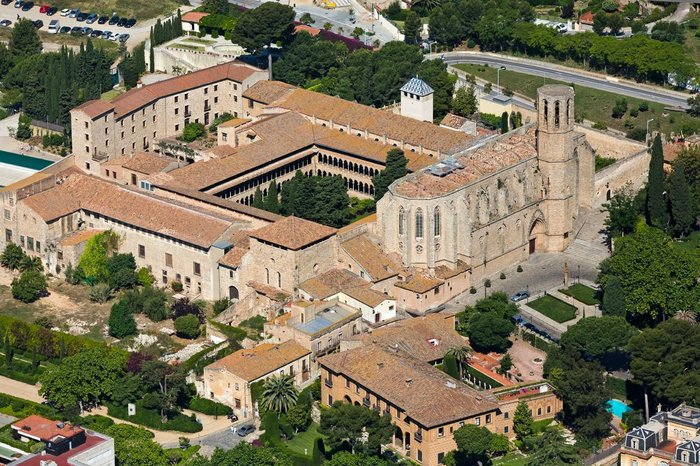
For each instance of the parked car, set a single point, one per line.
(107, 35)
(38, 24)
(76, 30)
(44, 8)
(51, 11)
(86, 31)
(122, 22)
(102, 19)
(91, 18)
(245, 430)
(6, 2)
(54, 26)
(27, 6)
(74, 13)
(81, 17)
(19, 3)
(114, 36)
(96, 33)
(113, 20)
(66, 11)
(123, 38)
(5, 23)
(130, 22)
(64, 30)
(519, 296)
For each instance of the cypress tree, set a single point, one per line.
(656, 211)
(271, 202)
(9, 351)
(306, 194)
(258, 199)
(62, 349)
(394, 169)
(614, 298)
(290, 192)
(152, 59)
(504, 122)
(681, 202)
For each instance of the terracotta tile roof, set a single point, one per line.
(222, 151)
(331, 282)
(194, 16)
(95, 108)
(427, 395)
(78, 237)
(140, 97)
(312, 31)
(426, 338)
(366, 295)
(370, 257)
(146, 163)
(476, 164)
(44, 429)
(267, 92)
(234, 122)
(127, 205)
(293, 233)
(419, 283)
(252, 364)
(362, 117)
(241, 245)
(277, 137)
(371, 218)
(453, 121)
(443, 272)
(272, 292)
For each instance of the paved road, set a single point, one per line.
(570, 75)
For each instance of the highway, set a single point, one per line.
(569, 75)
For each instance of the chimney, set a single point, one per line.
(409, 382)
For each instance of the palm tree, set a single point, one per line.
(461, 354)
(279, 394)
(688, 316)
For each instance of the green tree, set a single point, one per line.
(345, 424)
(499, 445)
(664, 362)
(489, 331)
(682, 215)
(504, 123)
(506, 364)
(8, 350)
(656, 209)
(345, 458)
(30, 286)
(121, 322)
(84, 379)
(299, 417)
(473, 443)
(522, 421)
(597, 337)
(245, 454)
(166, 383)
(12, 256)
(461, 354)
(188, 326)
(193, 131)
(465, 103)
(694, 105)
(394, 169)
(258, 199)
(24, 40)
(412, 27)
(551, 449)
(134, 446)
(270, 23)
(567, 9)
(271, 202)
(622, 214)
(279, 394)
(658, 279)
(220, 7)
(306, 19)
(614, 298)
(93, 261)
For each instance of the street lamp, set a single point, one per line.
(498, 77)
(647, 135)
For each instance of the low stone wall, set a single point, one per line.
(631, 171)
(607, 145)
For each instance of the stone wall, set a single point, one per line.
(631, 171)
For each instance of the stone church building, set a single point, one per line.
(491, 206)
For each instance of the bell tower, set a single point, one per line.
(558, 162)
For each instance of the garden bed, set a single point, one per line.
(582, 293)
(151, 418)
(554, 308)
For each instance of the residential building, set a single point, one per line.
(670, 438)
(229, 379)
(64, 444)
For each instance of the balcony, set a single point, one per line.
(418, 436)
(329, 383)
(188, 113)
(207, 108)
(365, 401)
(100, 156)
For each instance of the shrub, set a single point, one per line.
(30, 286)
(154, 304)
(634, 113)
(187, 326)
(643, 106)
(144, 277)
(503, 276)
(193, 131)
(176, 286)
(121, 321)
(299, 417)
(472, 290)
(12, 257)
(184, 306)
(471, 44)
(221, 305)
(122, 279)
(600, 125)
(520, 268)
(100, 293)
(638, 134)
(620, 108)
(212, 408)
(487, 283)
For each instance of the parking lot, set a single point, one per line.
(10, 13)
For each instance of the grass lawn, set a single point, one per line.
(513, 458)
(303, 443)
(582, 293)
(181, 45)
(554, 308)
(199, 40)
(539, 426)
(690, 243)
(111, 94)
(592, 104)
(139, 9)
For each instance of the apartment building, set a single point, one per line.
(138, 119)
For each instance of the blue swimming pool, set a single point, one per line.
(23, 161)
(617, 408)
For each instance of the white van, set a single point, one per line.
(54, 26)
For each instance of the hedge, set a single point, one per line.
(209, 407)
(151, 418)
(21, 372)
(483, 378)
(21, 408)
(538, 342)
(192, 361)
(233, 333)
(273, 427)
